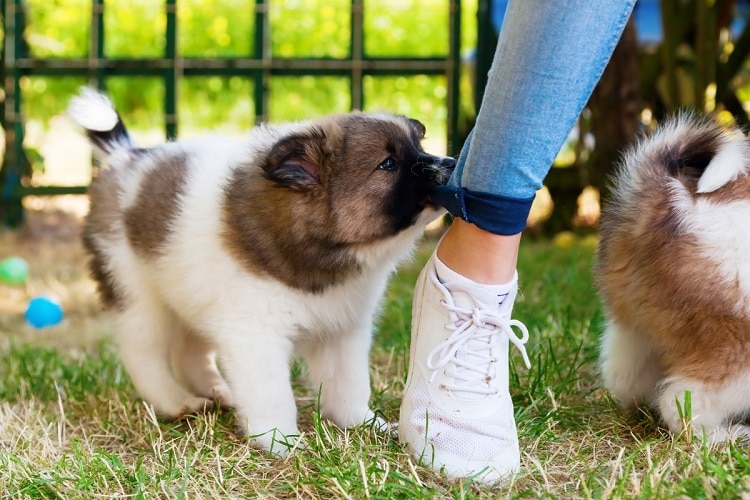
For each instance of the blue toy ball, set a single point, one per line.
(43, 312)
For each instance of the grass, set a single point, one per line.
(71, 426)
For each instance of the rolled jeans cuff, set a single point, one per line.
(491, 212)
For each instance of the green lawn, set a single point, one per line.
(71, 427)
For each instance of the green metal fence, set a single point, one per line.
(260, 66)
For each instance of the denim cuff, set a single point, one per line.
(491, 212)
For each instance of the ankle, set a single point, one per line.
(479, 255)
(469, 294)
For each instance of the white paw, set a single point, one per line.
(196, 404)
(223, 395)
(354, 419)
(380, 424)
(187, 406)
(736, 432)
(278, 443)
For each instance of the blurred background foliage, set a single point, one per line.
(674, 54)
(225, 28)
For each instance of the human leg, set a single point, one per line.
(456, 415)
(549, 57)
(466, 245)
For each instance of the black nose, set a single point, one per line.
(441, 167)
(436, 168)
(448, 163)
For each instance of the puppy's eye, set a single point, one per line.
(389, 165)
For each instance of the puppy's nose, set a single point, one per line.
(448, 163)
(438, 168)
(445, 167)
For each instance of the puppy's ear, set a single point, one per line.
(295, 161)
(419, 127)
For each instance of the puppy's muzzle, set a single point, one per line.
(437, 168)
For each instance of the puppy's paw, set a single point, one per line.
(735, 432)
(278, 443)
(370, 419)
(364, 416)
(222, 395)
(175, 410)
(195, 404)
(378, 423)
(384, 427)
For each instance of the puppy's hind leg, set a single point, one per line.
(194, 362)
(144, 331)
(629, 366)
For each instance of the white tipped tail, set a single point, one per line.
(729, 163)
(93, 111)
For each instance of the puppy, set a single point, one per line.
(673, 268)
(250, 251)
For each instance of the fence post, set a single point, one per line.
(171, 72)
(15, 164)
(453, 74)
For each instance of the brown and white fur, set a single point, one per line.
(253, 250)
(673, 268)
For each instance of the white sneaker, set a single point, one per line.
(457, 414)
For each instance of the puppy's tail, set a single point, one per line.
(697, 151)
(94, 112)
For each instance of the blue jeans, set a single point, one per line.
(549, 57)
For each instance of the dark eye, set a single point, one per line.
(389, 165)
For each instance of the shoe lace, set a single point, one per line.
(468, 354)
